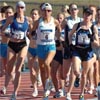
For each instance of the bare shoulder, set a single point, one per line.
(10, 19)
(29, 19)
(56, 21)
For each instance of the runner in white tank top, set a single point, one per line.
(46, 32)
(46, 48)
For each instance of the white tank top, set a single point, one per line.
(71, 21)
(46, 32)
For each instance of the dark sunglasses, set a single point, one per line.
(47, 10)
(21, 7)
(74, 9)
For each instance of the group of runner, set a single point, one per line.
(60, 50)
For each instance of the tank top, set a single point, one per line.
(70, 23)
(18, 29)
(82, 38)
(63, 34)
(7, 30)
(98, 27)
(46, 32)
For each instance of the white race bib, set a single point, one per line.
(46, 37)
(83, 39)
(18, 34)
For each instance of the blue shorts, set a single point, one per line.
(32, 51)
(43, 50)
(84, 54)
(3, 50)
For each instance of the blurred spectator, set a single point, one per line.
(64, 10)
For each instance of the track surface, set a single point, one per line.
(25, 91)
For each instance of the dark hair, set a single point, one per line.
(15, 14)
(98, 9)
(10, 7)
(60, 13)
(87, 10)
(42, 4)
(34, 10)
(70, 5)
(3, 9)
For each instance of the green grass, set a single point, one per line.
(57, 4)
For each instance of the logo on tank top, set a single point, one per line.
(20, 25)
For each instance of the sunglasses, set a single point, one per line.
(47, 10)
(73, 9)
(21, 7)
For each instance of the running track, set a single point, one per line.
(25, 91)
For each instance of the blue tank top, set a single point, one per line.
(18, 29)
(7, 31)
(3, 22)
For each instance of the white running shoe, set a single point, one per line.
(46, 93)
(62, 92)
(35, 93)
(53, 88)
(91, 89)
(3, 91)
(48, 86)
(68, 97)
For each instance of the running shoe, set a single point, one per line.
(46, 93)
(48, 86)
(62, 92)
(52, 87)
(46, 98)
(91, 89)
(68, 97)
(96, 94)
(98, 90)
(81, 97)
(3, 91)
(77, 82)
(57, 95)
(13, 97)
(35, 93)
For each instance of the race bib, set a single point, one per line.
(18, 34)
(46, 37)
(83, 39)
